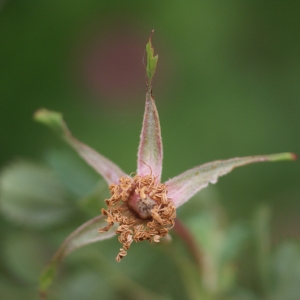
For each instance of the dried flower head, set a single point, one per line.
(142, 206)
(142, 209)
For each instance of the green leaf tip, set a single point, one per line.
(151, 60)
(282, 156)
(52, 119)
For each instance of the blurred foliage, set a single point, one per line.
(32, 196)
(227, 85)
(167, 271)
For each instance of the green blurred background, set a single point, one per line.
(227, 85)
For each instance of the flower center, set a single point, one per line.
(141, 208)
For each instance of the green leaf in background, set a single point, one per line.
(279, 271)
(104, 277)
(85, 284)
(285, 272)
(31, 195)
(219, 244)
(25, 254)
(9, 290)
(73, 172)
(85, 234)
(262, 236)
(94, 201)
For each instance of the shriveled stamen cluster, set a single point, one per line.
(142, 209)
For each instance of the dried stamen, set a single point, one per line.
(142, 209)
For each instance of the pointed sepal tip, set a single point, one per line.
(282, 156)
(52, 119)
(151, 60)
